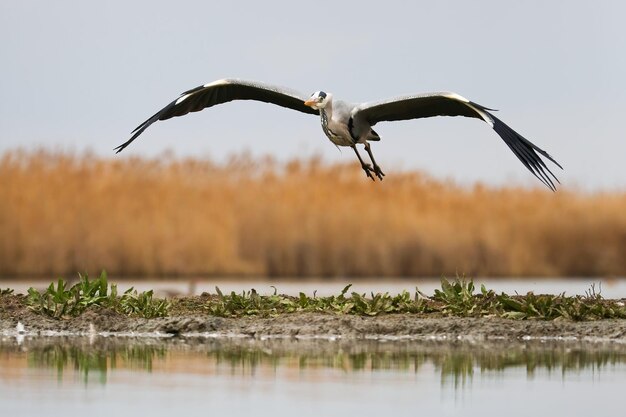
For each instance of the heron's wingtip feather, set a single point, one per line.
(525, 152)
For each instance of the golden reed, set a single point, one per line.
(61, 214)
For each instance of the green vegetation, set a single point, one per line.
(458, 299)
(251, 303)
(547, 307)
(61, 301)
(455, 298)
(6, 291)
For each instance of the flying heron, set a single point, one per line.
(348, 124)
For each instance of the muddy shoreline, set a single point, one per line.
(312, 325)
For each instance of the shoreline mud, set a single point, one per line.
(97, 320)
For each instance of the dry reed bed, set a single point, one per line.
(63, 213)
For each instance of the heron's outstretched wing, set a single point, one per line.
(451, 104)
(219, 92)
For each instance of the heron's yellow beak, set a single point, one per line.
(309, 103)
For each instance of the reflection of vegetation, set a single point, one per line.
(456, 362)
(61, 301)
(345, 357)
(460, 366)
(80, 356)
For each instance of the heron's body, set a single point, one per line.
(341, 128)
(347, 124)
(335, 126)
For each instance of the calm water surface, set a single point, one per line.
(111, 376)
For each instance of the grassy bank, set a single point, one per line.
(457, 298)
(137, 217)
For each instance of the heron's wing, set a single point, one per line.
(415, 107)
(451, 104)
(219, 92)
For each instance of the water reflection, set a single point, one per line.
(93, 359)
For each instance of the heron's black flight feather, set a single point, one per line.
(525, 152)
(219, 92)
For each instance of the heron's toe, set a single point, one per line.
(368, 171)
(379, 172)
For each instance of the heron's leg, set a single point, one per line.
(366, 167)
(379, 173)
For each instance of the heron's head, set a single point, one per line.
(318, 100)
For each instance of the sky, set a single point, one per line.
(80, 75)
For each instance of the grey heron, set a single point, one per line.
(347, 124)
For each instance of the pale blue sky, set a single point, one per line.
(80, 75)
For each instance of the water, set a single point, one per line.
(104, 376)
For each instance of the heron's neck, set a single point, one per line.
(325, 116)
(327, 111)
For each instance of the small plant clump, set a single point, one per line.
(6, 291)
(60, 301)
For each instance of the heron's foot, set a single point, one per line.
(379, 172)
(368, 171)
